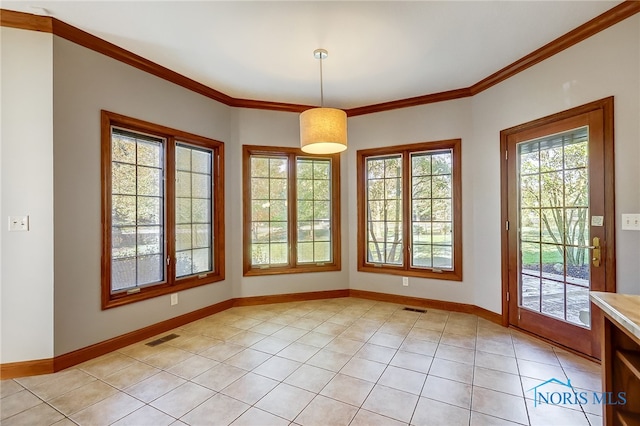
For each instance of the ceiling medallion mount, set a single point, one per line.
(320, 54)
(323, 130)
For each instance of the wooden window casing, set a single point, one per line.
(290, 235)
(210, 229)
(403, 262)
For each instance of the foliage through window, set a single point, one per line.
(291, 213)
(409, 214)
(162, 210)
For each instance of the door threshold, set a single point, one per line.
(558, 345)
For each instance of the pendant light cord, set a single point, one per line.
(321, 86)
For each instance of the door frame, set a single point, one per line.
(606, 105)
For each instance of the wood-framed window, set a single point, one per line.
(291, 211)
(162, 210)
(410, 210)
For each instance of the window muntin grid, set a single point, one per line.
(314, 210)
(137, 210)
(431, 210)
(194, 204)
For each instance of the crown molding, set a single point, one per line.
(409, 102)
(61, 29)
(601, 22)
(25, 21)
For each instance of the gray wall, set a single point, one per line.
(84, 82)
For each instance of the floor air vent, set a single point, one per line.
(422, 311)
(162, 340)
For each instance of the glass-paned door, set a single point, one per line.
(559, 216)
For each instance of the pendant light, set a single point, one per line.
(323, 130)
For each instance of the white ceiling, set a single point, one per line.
(378, 51)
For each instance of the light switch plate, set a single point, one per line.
(18, 223)
(631, 222)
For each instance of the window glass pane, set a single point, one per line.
(123, 242)
(442, 257)
(183, 210)
(306, 211)
(278, 232)
(184, 263)
(313, 210)
(123, 148)
(305, 231)
(183, 184)
(259, 188)
(278, 168)
(260, 167)
(278, 253)
(183, 237)
(201, 162)
(194, 206)
(123, 178)
(322, 251)
(183, 158)
(201, 210)
(201, 260)
(269, 210)
(441, 233)
(322, 210)
(278, 210)
(431, 210)
(149, 210)
(123, 274)
(150, 269)
(278, 189)
(201, 235)
(137, 210)
(149, 240)
(149, 154)
(384, 210)
(123, 210)
(441, 164)
(421, 255)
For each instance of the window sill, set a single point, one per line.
(414, 272)
(255, 272)
(121, 299)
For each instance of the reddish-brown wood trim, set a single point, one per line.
(599, 23)
(12, 370)
(81, 355)
(61, 362)
(83, 38)
(170, 285)
(406, 150)
(427, 303)
(25, 21)
(290, 154)
(604, 106)
(409, 102)
(607, 19)
(291, 297)
(268, 105)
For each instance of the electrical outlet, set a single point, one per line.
(174, 299)
(405, 281)
(631, 222)
(18, 223)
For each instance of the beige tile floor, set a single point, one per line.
(344, 361)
